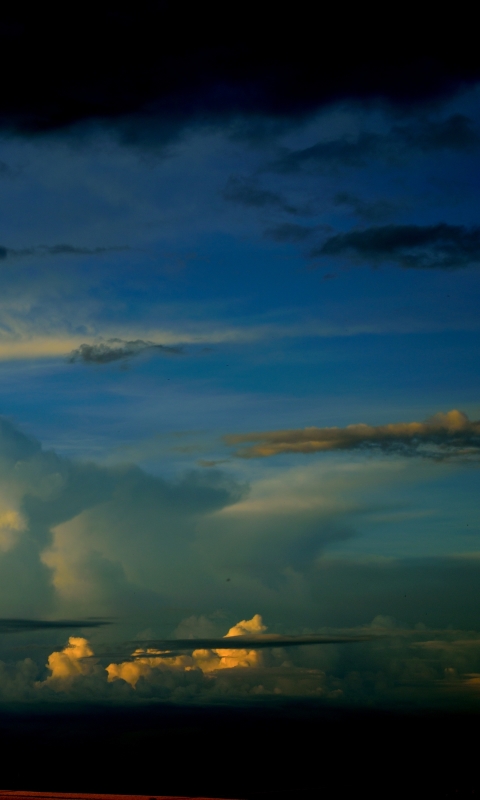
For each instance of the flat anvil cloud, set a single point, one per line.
(450, 434)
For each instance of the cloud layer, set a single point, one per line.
(450, 434)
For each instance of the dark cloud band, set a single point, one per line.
(13, 625)
(439, 246)
(160, 60)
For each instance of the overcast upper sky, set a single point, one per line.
(239, 342)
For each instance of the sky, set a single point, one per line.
(239, 384)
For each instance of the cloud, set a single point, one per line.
(439, 246)
(247, 193)
(125, 544)
(15, 625)
(116, 350)
(245, 640)
(456, 133)
(57, 250)
(424, 666)
(71, 553)
(443, 435)
(194, 77)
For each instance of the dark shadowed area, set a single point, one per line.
(294, 749)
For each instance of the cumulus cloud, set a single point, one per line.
(116, 350)
(423, 666)
(443, 435)
(439, 246)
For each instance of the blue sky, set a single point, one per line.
(247, 273)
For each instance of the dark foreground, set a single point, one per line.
(292, 750)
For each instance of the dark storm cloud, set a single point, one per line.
(439, 246)
(450, 434)
(161, 60)
(56, 250)
(116, 350)
(14, 625)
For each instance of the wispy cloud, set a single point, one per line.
(444, 435)
(455, 133)
(116, 350)
(439, 246)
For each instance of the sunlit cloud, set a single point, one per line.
(443, 435)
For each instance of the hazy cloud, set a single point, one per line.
(116, 350)
(444, 435)
(439, 246)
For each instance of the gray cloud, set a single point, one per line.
(439, 246)
(258, 642)
(117, 350)
(16, 625)
(57, 250)
(79, 539)
(456, 133)
(444, 435)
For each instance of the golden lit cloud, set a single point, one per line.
(70, 662)
(11, 524)
(208, 661)
(451, 433)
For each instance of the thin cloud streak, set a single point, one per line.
(442, 436)
(14, 625)
(116, 350)
(57, 250)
